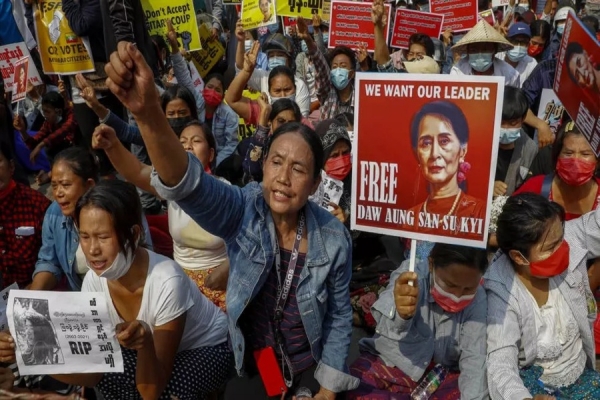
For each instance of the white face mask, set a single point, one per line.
(248, 45)
(118, 268)
(291, 97)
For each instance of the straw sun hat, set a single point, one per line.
(482, 33)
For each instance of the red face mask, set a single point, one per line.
(449, 302)
(575, 171)
(554, 265)
(212, 97)
(338, 167)
(534, 50)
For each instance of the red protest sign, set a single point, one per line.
(408, 22)
(489, 16)
(351, 24)
(577, 79)
(428, 176)
(20, 79)
(461, 15)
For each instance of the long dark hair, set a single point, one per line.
(179, 92)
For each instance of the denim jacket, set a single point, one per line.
(242, 218)
(60, 241)
(455, 340)
(225, 130)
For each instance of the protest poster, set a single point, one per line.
(500, 3)
(577, 79)
(9, 55)
(430, 175)
(196, 78)
(258, 13)
(20, 80)
(551, 110)
(299, 8)
(182, 16)
(460, 15)
(210, 54)
(409, 22)
(489, 16)
(62, 333)
(289, 25)
(326, 15)
(246, 130)
(351, 25)
(330, 190)
(61, 50)
(3, 302)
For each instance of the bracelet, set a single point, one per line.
(103, 120)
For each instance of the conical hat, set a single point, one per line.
(482, 33)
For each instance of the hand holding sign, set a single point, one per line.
(378, 14)
(7, 348)
(338, 212)
(406, 296)
(133, 335)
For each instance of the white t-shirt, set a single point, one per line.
(501, 68)
(524, 67)
(168, 293)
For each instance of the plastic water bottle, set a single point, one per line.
(303, 393)
(430, 383)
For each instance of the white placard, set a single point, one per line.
(3, 302)
(62, 333)
(330, 191)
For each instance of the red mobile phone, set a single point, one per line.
(270, 372)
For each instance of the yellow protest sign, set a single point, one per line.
(246, 130)
(326, 15)
(299, 8)
(211, 52)
(258, 13)
(182, 16)
(61, 51)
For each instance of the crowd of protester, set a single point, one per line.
(212, 250)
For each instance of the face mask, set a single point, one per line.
(177, 124)
(449, 302)
(534, 50)
(291, 97)
(326, 38)
(304, 47)
(248, 45)
(574, 171)
(509, 135)
(276, 61)
(338, 167)
(516, 54)
(560, 29)
(119, 267)
(524, 6)
(339, 78)
(212, 97)
(481, 62)
(554, 265)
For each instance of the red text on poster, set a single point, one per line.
(408, 22)
(351, 25)
(20, 79)
(577, 79)
(9, 55)
(460, 15)
(428, 175)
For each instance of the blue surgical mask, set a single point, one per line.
(339, 78)
(524, 6)
(277, 61)
(304, 47)
(517, 53)
(560, 29)
(248, 45)
(481, 62)
(326, 38)
(509, 135)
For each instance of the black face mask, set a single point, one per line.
(177, 124)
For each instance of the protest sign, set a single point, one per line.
(289, 24)
(460, 15)
(196, 78)
(232, 2)
(9, 55)
(212, 51)
(20, 80)
(428, 176)
(246, 130)
(299, 8)
(408, 22)
(500, 3)
(326, 15)
(330, 190)
(489, 16)
(258, 13)
(61, 50)
(351, 25)
(3, 302)
(62, 333)
(182, 16)
(577, 79)
(551, 110)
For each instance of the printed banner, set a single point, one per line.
(3, 302)
(20, 80)
(212, 51)
(299, 8)
(258, 13)
(431, 177)
(577, 80)
(409, 22)
(61, 51)
(330, 190)
(62, 333)
(246, 130)
(326, 16)
(182, 16)
(351, 25)
(461, 15)
(551, 110)
(288, 24)
(9, 55)
(489, 16)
